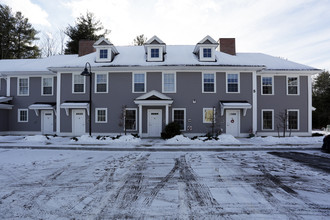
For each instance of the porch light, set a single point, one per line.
(88, 72)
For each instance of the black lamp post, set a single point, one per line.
(88, 72)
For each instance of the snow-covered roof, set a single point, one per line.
(26, 66)
(134, 56)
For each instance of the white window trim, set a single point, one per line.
(208, 122)
(262, 93)
(18, 93)
(215, 82)
(19, 114)
(107, 82)
(298, 119)
(96, 115)
(163, 82)
(98, 52)
(262, 119)
(42, 85)
(136, 122)
(157, 59)
(238, 83)
(201, 54)
(84, 77)
(298, 85)
(145, 82)
(185, 117)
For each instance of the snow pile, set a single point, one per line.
(180, 139)
(127, 139)
(228, 139)
(35, 138)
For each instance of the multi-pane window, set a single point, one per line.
(169, 82)
(293, 119)
(22, 115)
(267, 119)
(179, 117)
(232, 82)
(23, 86)
(293, 85)
(101, 115)
(139, 82)
(130, 119)
(207, 52)
(267, 85)
(47, 86)
(154, 53)
(103, 54)
(101, 82)
(208, 82)
(209, 115)
(78, 83)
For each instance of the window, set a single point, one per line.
(139, 82)
(78, 83)
(101, 83)
(267, 119)
(103, 54)
(101, 115)
(47, 86)
(22, 115)
(23, 86)
(130, 119)
(293, 85)
(232, 82)
(179, 116)
(154, 52)
(169, 82)
(209, 115)
(293, 119)
(207, 52)
(267, 85)
(209, 82)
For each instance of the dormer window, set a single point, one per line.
(207, 52)
(103, 54)
(205, 49)
(155, 49)
(154, 52)
(105, 50)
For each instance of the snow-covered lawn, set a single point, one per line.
(58, 184)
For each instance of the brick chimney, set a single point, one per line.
(227, 45)
(86, 47)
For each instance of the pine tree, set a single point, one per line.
(86, 28)
(321, 100)
(16, 36)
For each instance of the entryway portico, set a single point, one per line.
(154, 118)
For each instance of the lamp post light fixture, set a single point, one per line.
(88, 72)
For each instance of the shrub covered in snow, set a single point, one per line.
(171, 130)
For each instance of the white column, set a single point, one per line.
(309, 92)
(58, 104)
(254, 102)
(8, 86)
(140, 120)
(166, 114)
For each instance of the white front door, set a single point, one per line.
(78, 122)
(47, 122)
(154, 122)
(232, 122)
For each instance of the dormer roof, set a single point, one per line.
(102, 42)
(154, 40)
(206, 41)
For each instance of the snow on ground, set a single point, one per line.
(129, 141)
(57, 184)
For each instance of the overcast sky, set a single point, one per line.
(298, 30)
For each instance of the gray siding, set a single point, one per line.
(280, 101)
(3, 87)
(23, 102)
